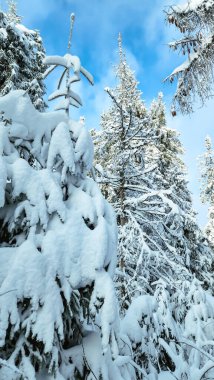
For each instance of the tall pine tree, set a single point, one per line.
(140, 170)
(181, 228)
(12, 14)
(207, 186)
(142, 175)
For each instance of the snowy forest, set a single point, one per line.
(105, 271)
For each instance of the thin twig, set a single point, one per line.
(9, 291)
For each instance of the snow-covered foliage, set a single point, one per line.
(12, 14)
(195, 20)
(21, 58)
(68, 62)
(140, 171)
(70, 97)
(172, 332)
(192, 351)
(58, 310)
(207, 186)
(142, 175)
(182, 231)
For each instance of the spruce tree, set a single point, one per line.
(119, 151)
(181, 226)
(58, 311)
(12, 14)
(157, 324)
(142, 175)
(141, 172)
(207, 186)
(21, 58)
(191, 349)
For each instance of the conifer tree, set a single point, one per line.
(191, 350)
(182, 230)
(58, 311)
(141, 173)
(119, 149)
(12, 14)
(195, 20)
(21, 58)
(207, 187)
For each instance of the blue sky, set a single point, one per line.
(145, 36)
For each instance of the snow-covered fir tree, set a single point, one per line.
(191, 349)
(12, 13)
(171, 333)
(180, 226)
(58, 311)
(21, 58)
(207, 186)
(195, 20)
(119, 151)
(141, 173)
(163, 319)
